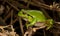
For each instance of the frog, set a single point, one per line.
(34, 17)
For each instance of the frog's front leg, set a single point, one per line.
(31, 23)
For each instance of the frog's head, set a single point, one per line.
(23, 14)
(50, 23)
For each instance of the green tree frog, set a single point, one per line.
(35, 16)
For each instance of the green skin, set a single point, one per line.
(34, 16)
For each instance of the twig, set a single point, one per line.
(7, 16)
(41, 5)
(14, 21)
(9, 8)
(28, 4)
(29, 32)
(3, 21)
(4, 1)
(21, 26)
(12, 6)
(11, 16)
(44, 32)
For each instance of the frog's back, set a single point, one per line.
(37, 14)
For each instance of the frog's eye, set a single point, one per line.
(29, 15)
(24, 13)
